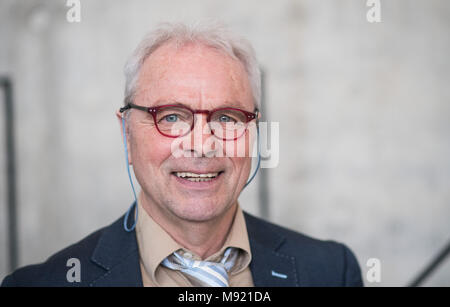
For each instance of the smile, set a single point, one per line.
(194, 177)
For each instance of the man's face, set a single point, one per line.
(199, 78)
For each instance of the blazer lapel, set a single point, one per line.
(117, 252)
(269, 268)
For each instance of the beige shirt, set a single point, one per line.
(155, 244)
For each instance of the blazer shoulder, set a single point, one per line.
(261, 228)
(324, 262)
(53, 272)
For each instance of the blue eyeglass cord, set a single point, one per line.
(125, 220)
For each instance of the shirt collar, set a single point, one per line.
(155, 244)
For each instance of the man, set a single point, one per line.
(185, 86)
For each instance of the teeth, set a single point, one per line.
(196, 177)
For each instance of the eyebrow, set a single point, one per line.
(228, 104)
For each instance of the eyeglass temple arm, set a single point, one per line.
(123, 109)
(256, 117)
(132, 106)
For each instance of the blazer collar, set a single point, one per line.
(117, 252)
(269, 267)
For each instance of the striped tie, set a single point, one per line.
(207, 273)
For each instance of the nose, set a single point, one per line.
(200, 138)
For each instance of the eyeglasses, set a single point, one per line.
(176, 120)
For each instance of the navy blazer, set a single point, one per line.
(280, 257)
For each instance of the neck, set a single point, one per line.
(204, 238)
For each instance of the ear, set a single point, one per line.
(125, 137)
(119, 118)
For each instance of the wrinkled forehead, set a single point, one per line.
(193, 73)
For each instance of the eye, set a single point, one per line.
(171, 118)
(225, 119)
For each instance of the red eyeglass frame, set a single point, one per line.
(153, 110)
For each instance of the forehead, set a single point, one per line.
(193, 74)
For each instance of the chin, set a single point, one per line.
(198, 211)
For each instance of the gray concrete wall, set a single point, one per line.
(363, 109)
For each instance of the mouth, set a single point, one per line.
(197, 177)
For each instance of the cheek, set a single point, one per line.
(242, 167)
(148, 150)
(242, 172)
(242, 147)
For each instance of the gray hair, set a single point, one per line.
(209, 34)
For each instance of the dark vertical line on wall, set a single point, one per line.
(263, 172)
(431, 267)
(6, 85)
